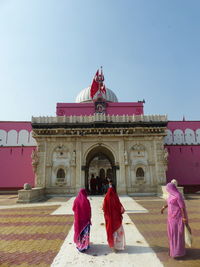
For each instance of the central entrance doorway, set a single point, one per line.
(99, 170)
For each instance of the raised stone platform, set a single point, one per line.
(32, 195)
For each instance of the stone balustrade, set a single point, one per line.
(99, 118)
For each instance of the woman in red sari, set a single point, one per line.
(82, 221)
(113, 211)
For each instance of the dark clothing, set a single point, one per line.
(93, 185)
(99, 184)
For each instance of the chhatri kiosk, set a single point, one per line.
(101, 136)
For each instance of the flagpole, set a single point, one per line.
(101, 80)
(99, 85)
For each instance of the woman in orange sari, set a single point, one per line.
(113, 211)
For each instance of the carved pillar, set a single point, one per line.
(79, 172)
(40, 177)
(72, 182)
(126, 167)
(155, 174)
(151, 172)
(48, 173)
(35, 162)
(121, 182)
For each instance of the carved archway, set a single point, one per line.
(100, 152)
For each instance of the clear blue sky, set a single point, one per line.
(51, 49)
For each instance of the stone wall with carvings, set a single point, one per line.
(145, 168)
(136, 151)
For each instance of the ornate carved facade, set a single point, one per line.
(128, 148)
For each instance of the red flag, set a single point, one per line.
(95, 85)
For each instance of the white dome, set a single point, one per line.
(84, 96)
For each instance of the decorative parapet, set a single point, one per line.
(99, 118)
(16, 138)
(182, 137)
(99, 124)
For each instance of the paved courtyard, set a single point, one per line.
(40, 234)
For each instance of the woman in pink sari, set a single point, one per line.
(82, 221)
(177, 218)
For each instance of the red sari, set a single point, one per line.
(113, 211)
(82, 220)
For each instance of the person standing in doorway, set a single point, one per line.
(93, 185)
(106, 184)
(113, 211)
(99, 184)
(82, 221)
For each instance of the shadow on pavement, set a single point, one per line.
(104, 249)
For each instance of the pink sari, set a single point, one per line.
(82, 220)
(175, 225)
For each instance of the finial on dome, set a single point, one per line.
(98, 86)
(100, 77)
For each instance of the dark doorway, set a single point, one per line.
(100, 164)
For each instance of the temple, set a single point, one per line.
(102, 137)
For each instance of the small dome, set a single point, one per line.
(84, 96)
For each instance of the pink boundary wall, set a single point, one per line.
(183, 164)
(15, 161)
(15, 125)
(122, 108)
(183, 160)
(15, 166)
(183, 125)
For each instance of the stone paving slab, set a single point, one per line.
(8, 199)
(30, 236)
(137, 252)
(153, 227)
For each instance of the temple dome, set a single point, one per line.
(84, 96)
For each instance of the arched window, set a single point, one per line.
(140, 173)
(60, 175)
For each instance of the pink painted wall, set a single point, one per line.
(183, 125)
(113, 108)
(15, 125)
(125, 108)
(184, 160)
(15, 166)
(15, 161)
(184, 164)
